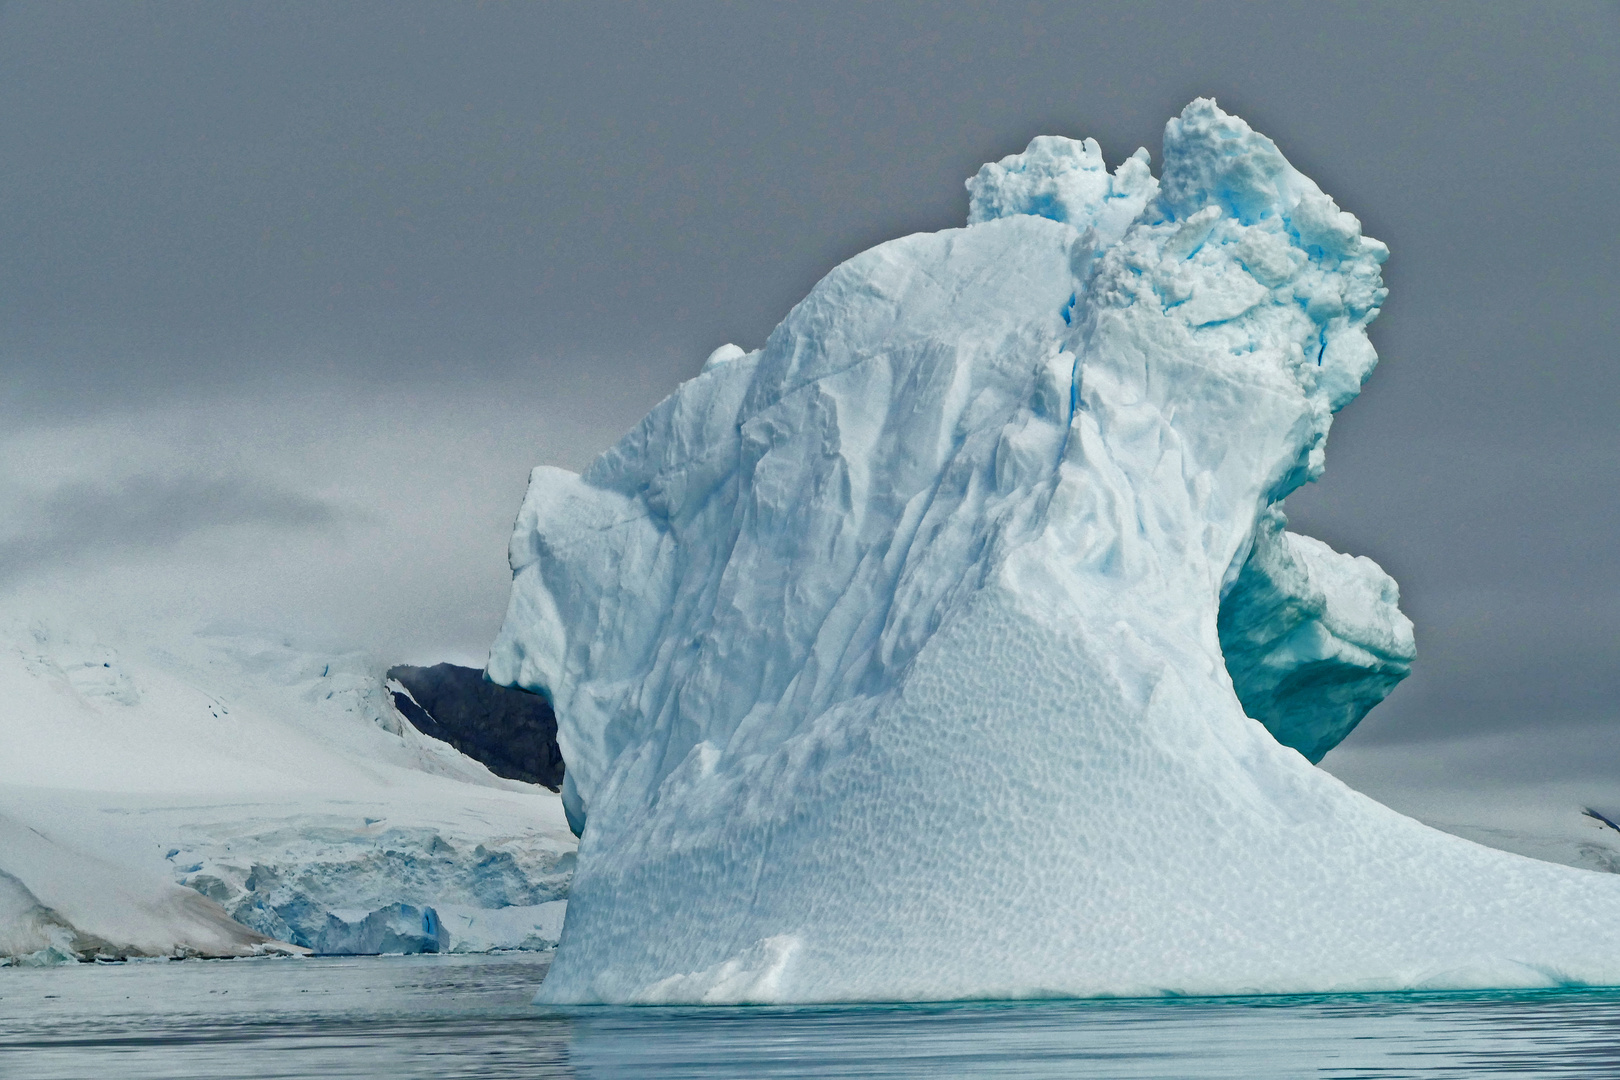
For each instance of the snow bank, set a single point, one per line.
(179, 794)
(888, 659)
(34, 935)
(59, 903)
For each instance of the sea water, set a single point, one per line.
(431, 1016)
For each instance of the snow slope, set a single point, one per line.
(973, 511)
(191, 794)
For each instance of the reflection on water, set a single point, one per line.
(433, 1016)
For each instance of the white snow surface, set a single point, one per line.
(171, 793)
(886, 656)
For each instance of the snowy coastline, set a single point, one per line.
(184, 794)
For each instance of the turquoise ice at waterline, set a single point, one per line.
(950, 646)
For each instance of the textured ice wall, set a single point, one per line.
(972, 510)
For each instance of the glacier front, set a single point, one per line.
(907, 657)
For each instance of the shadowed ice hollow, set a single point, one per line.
(908, 657)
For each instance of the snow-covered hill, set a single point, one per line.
(176, 793)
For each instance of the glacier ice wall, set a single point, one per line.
(888, 658)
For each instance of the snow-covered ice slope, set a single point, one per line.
(175, 793)
(888, 657)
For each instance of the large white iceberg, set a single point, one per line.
(888, 658)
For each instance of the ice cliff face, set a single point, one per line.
(972, 511)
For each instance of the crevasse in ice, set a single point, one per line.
(907, 657)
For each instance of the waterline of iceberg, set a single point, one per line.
(907, 657)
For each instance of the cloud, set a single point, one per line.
(370, 517)
(147, 513)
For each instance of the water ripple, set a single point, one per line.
(408, 1017)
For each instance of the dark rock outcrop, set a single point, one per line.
(512, 732)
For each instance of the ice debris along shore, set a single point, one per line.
(195, 795)
(907, 657)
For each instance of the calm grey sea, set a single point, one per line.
(433, 1016)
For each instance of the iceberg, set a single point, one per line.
(951, 645)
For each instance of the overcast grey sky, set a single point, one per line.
(293, 295)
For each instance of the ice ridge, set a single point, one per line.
(889, 659)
